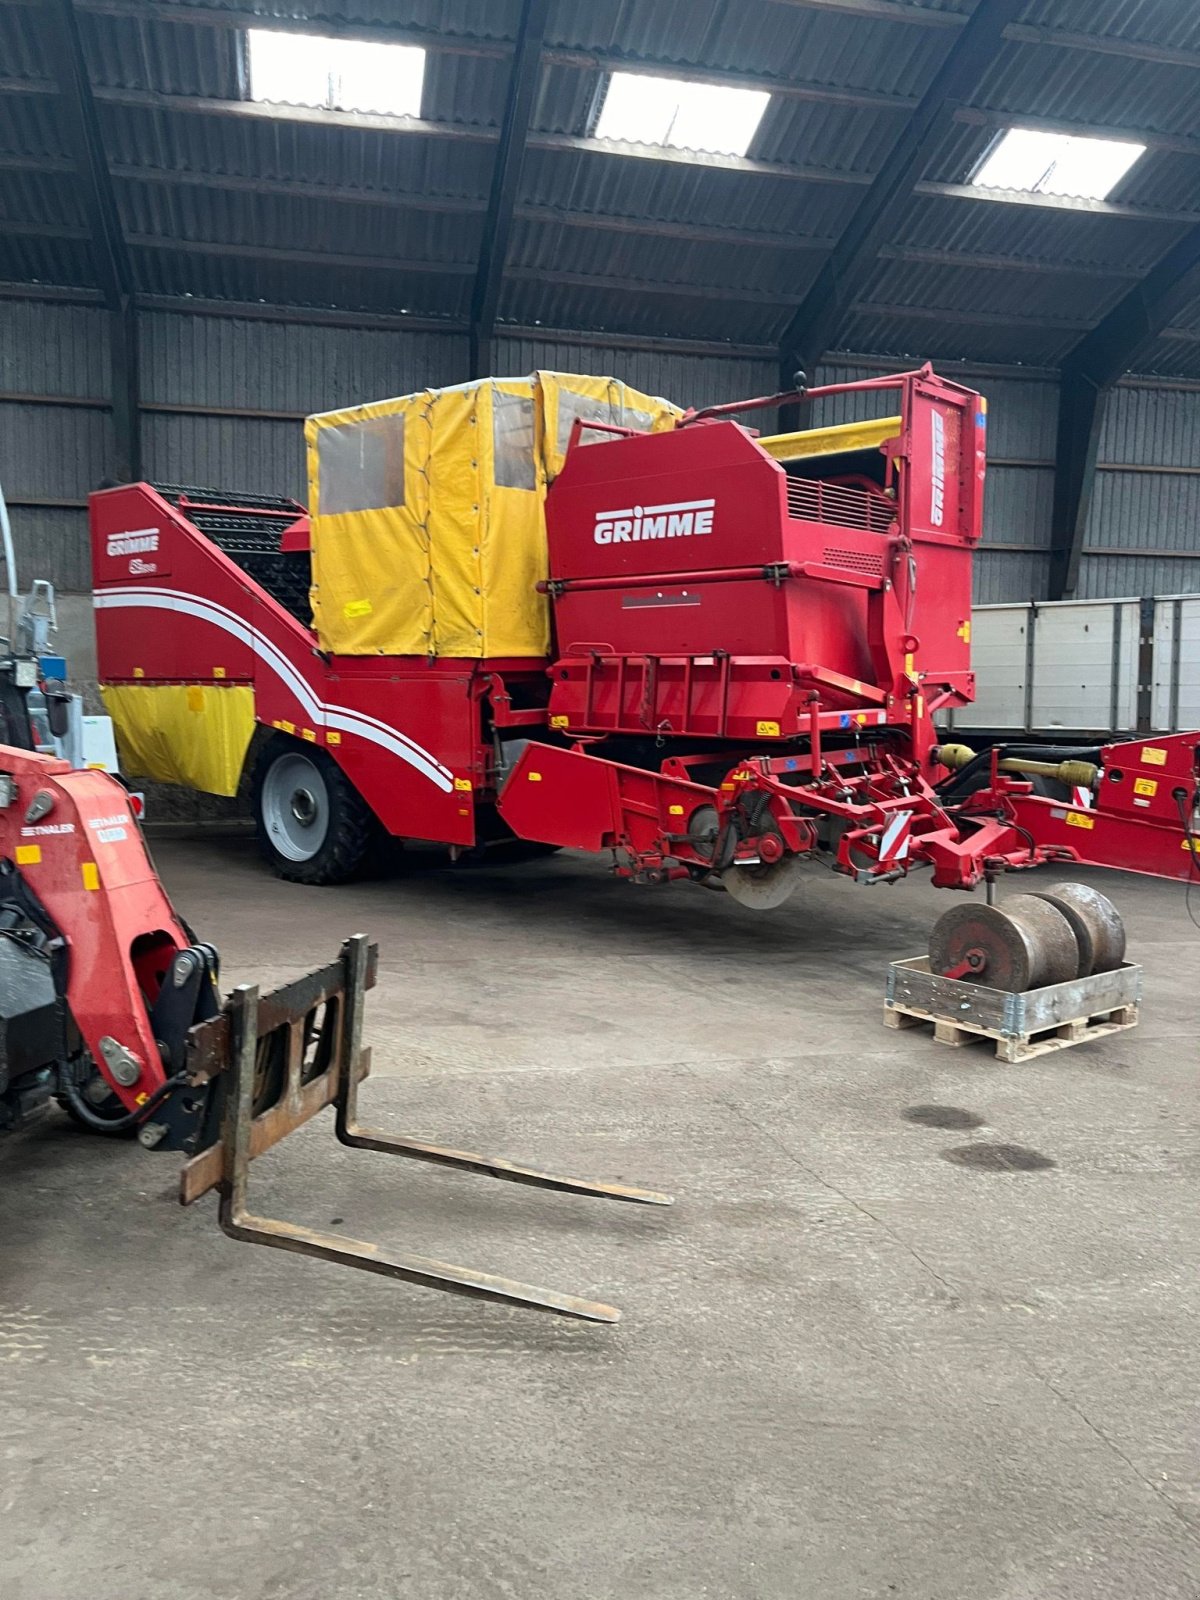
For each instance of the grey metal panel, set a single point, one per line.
(53, 452)
(1009, 575)
(1145, 511)
(226, 453)
(999, 659)
(214, 361)
(1085, 666)
(52, 349)
(1151, 425)
(1102, 576)
(52, 542)
(1017, 504)
(688, 380)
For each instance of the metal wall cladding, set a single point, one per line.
(52, 542)
(688, 380)
(1145, 511)
(1009, 575)
(1159, 426)
(1017, 505)
(1103, 576)
(218, 361)
(229, 453)
(53, 452)
(53, 349)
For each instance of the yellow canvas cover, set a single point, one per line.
(192, 734)
(428, 525)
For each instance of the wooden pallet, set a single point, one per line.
(1011, 1048)
(1022, 1025)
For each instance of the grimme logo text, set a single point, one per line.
(132, 544)
(678, 521)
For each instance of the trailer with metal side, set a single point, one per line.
(1101, 670)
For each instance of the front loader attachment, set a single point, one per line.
(272, 1062)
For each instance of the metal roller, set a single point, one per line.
(1096, 923)
(1027, 943)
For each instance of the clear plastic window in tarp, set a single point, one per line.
(361, 465)
(513, 440)
(610, 409)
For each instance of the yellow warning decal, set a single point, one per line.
(908, 663)
(964, 631)
(90, 874)
(463, 785)
(357, 608)
(535, 777)
(1194, 843)
(139, 672)
(218, 672)
(767, 730)
(675, 811)
(333, 738)
(308, 733)
(285, 727)
(28, 855)
(740, 776)
(140, 1099)
(1080, 819)
(560, 722)
(1153, 756)
(1145, 786)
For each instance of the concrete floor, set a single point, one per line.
(849, 1367)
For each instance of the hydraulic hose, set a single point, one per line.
(72, 1093)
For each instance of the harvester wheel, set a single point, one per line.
(313, 825)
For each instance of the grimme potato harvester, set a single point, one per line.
(717, 655)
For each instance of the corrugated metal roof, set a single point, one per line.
(398, 201)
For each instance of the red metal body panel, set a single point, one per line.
(682, 563)
(85, 861)
(406, 731)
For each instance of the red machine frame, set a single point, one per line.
(704, 752)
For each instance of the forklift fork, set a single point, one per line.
(324, 1064)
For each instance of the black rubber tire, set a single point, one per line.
(352, 830)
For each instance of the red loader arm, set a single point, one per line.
(73, 859)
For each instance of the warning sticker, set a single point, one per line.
(1080, 819)
(1153, 756)
(1147, 786)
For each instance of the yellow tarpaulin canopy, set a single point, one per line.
(428, 527)
(193, 734)
(847, 436)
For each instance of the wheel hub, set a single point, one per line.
(304, 807)
(295, 807)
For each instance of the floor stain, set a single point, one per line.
(942, 1117)
(999, 1158)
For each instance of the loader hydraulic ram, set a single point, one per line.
(108, 1004)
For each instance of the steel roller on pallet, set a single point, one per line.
(1049, 936)
(1041, 972)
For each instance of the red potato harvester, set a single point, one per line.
(751, 639)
